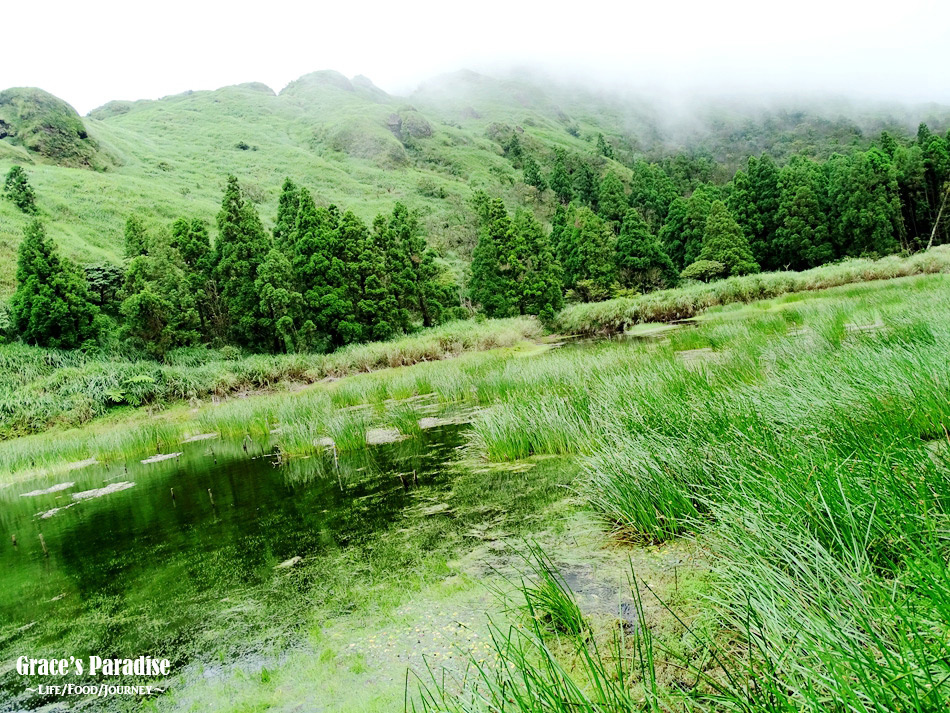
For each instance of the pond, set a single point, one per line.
(214, 554)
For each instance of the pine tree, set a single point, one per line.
(540, 289)
(641, 261)
(51, 305)
(603, 148)
(612, 201)
(17, 188)
(803, 238)
(287, 206)
(136, 237)
(281, 305)
(532, 174)
(159, 312)
(560, 180)
(725, 242)
(241, 247)
(320, 273)
(493, 282)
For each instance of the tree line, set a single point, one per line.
(322, 278)
(889, 198)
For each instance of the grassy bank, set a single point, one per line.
(668, 305)
(804, 445)
(41, 389)
(800, 443)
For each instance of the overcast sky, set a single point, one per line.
(91, 51)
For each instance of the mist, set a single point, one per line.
(91, 53)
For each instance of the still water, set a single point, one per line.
(194, 558)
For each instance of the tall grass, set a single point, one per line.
(681, 303)
(809, 456)
(41, 389)
(529, 671)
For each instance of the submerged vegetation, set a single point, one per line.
(804, 444)
(791, 427)
(799, 442)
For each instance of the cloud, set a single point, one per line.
(92, 52)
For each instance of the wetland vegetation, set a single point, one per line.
(556, 413)
(744, 511)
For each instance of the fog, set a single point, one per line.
(92, 52)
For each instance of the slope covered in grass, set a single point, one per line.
(618, 314)
(352, 144)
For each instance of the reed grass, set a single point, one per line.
(808, 453)
(42, 389)
(619, 314)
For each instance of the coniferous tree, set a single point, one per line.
(865, 194)
(193, 243)
(373, 310)
(912, 191)
(753, 202)
(320, 273)
(287, 206)
(280, 303)
(136, 237)
(803, 237)
(587, 246)
(422, 289)
(682, 234)
(495, 266)
(532, 174)
(560, 180)
(936, 156)
(653, 192)
(612, 201)
(241, 247)
(104, 281)
(17, 188)
(541, 289)
(585, 184)
(725, 242)
(159, 312)
(603, 148)
(764, 178)
(51, 305)
(641, 261)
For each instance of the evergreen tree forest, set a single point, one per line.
(596, 226)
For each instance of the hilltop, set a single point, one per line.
(354, 145)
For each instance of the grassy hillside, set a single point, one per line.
(348, 142)
(351, 144)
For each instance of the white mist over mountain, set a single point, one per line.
(93, 52)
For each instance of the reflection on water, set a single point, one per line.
(184, 562)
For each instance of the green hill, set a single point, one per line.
(347, 141)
